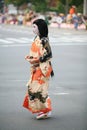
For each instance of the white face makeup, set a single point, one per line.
(35, 29)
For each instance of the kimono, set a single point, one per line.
(36, 99)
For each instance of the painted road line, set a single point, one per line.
(15, 45)
(6, 41)
(62, 93)
(22, 45)
(16, 40)
(26, 39)
(68, 44)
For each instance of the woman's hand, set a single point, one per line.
(34, 60)
(27, 57)
(31, 59)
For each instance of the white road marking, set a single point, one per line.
(16, 40)
(62, 93)
(5, 41)
(17, 30)
(54, 41)
(65, 39)
(24, 45)
(25, 38)
(68, 44)
(14, 45)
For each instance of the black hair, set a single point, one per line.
(43, 34)
(42, 27)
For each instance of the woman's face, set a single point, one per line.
(35, 29)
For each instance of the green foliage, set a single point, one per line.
(1, 5)
(76, 2)
(39, 5)
(80, 8)
(72, 2)
(16, 2)
(63, 2)
(60, 8)
(42, 5)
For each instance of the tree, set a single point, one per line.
(69, 3)
(72, 2)
(43, 5)
(76, 2)
(16, 2)
(39, 5)
(1, 5)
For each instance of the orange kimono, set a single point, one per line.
(36, 99)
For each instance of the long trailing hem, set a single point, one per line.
(46, 109)
(36, 100)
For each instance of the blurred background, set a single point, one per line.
(23, 12)
(67, 20)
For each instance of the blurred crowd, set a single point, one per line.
(71, 20)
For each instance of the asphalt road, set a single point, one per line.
(68, 88)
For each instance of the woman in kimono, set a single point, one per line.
(37, 99)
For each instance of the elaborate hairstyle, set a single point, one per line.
(42, 27)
